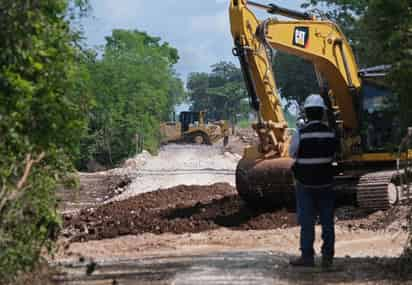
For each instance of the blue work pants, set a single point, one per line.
(311, 202)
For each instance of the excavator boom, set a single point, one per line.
(258, 75)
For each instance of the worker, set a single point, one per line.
(313, 147)
(406, 142)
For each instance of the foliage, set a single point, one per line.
(243, 124)
(353, 7)
(134, 87)
(295, 77)
(40, 124)
(220, 92)
(347, 14)
(389, 24)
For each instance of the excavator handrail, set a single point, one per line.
(375, 71)
(278, 10)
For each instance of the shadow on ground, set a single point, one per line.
(231, 268)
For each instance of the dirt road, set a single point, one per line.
(183, 234)
(181, 165)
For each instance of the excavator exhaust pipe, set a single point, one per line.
(266, 184)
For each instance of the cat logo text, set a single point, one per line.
(301, 37)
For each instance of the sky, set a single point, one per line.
(199, 29)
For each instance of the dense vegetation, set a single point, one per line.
(295, 77)
(61, 104)
(134, 87)
(221, 92)
(40, 123)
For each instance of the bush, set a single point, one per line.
(40, 122)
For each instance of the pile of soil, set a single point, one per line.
(393, 219)
(192, 209)
(181, 209)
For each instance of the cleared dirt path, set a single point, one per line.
(206, 235)
(236, 267)
(359, 243)
(181, 165)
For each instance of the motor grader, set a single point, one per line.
(193, 127)
(368, 128)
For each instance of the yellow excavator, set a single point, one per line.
(358, 111)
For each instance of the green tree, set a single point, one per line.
(134, 87)
(198, 85)
(389, 26)
(295, 77)
(40, 124)
(220, 92)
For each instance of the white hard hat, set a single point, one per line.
(314, 101)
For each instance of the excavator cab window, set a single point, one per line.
(187, 118)
(380, 123)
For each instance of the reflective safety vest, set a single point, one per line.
(316, 151)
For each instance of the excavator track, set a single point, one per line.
(375, 191)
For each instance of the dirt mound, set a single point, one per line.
(394, 219)
(181, 209)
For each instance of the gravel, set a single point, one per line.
(179, 165)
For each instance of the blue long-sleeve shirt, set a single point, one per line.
(294, 145)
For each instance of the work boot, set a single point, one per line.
(303, 262)
(327, 262)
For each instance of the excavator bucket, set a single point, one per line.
(266, 183)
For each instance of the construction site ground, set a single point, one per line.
(176, 218)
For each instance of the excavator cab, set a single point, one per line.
(380, 122)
